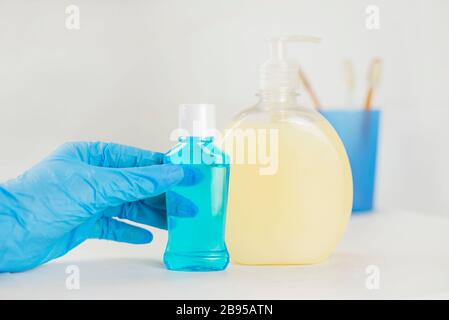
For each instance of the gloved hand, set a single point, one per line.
(74, 194)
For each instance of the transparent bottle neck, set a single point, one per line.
(192, 139)
(278, 99)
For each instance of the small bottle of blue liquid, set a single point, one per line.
(196, 241)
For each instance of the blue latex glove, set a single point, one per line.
(74, 194)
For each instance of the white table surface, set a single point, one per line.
(411, 251)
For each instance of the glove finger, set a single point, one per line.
(180, 206)
(150, 211)
(153, 212)
(111, 229)
(109, 155)
(115, 187)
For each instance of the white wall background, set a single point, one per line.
(121, 76)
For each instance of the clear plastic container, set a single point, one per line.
(290, 189)
(196, 243)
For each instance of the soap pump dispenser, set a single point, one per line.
(290, 191)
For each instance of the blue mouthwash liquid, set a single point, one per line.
(196, 241)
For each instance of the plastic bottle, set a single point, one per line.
(196, 243)
(291, 189)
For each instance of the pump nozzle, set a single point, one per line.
(277, 45)
(279, 73)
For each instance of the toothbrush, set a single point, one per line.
(348, 76)
(373, 81)
(309, 89)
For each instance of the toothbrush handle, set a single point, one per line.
(309, 89)
(369, 98)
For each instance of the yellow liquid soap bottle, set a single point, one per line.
(290, 193)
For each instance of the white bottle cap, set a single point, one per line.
(197, 120)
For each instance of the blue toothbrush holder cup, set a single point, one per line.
(359, 130)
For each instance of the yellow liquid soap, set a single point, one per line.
(290, 192)
(294, 208)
